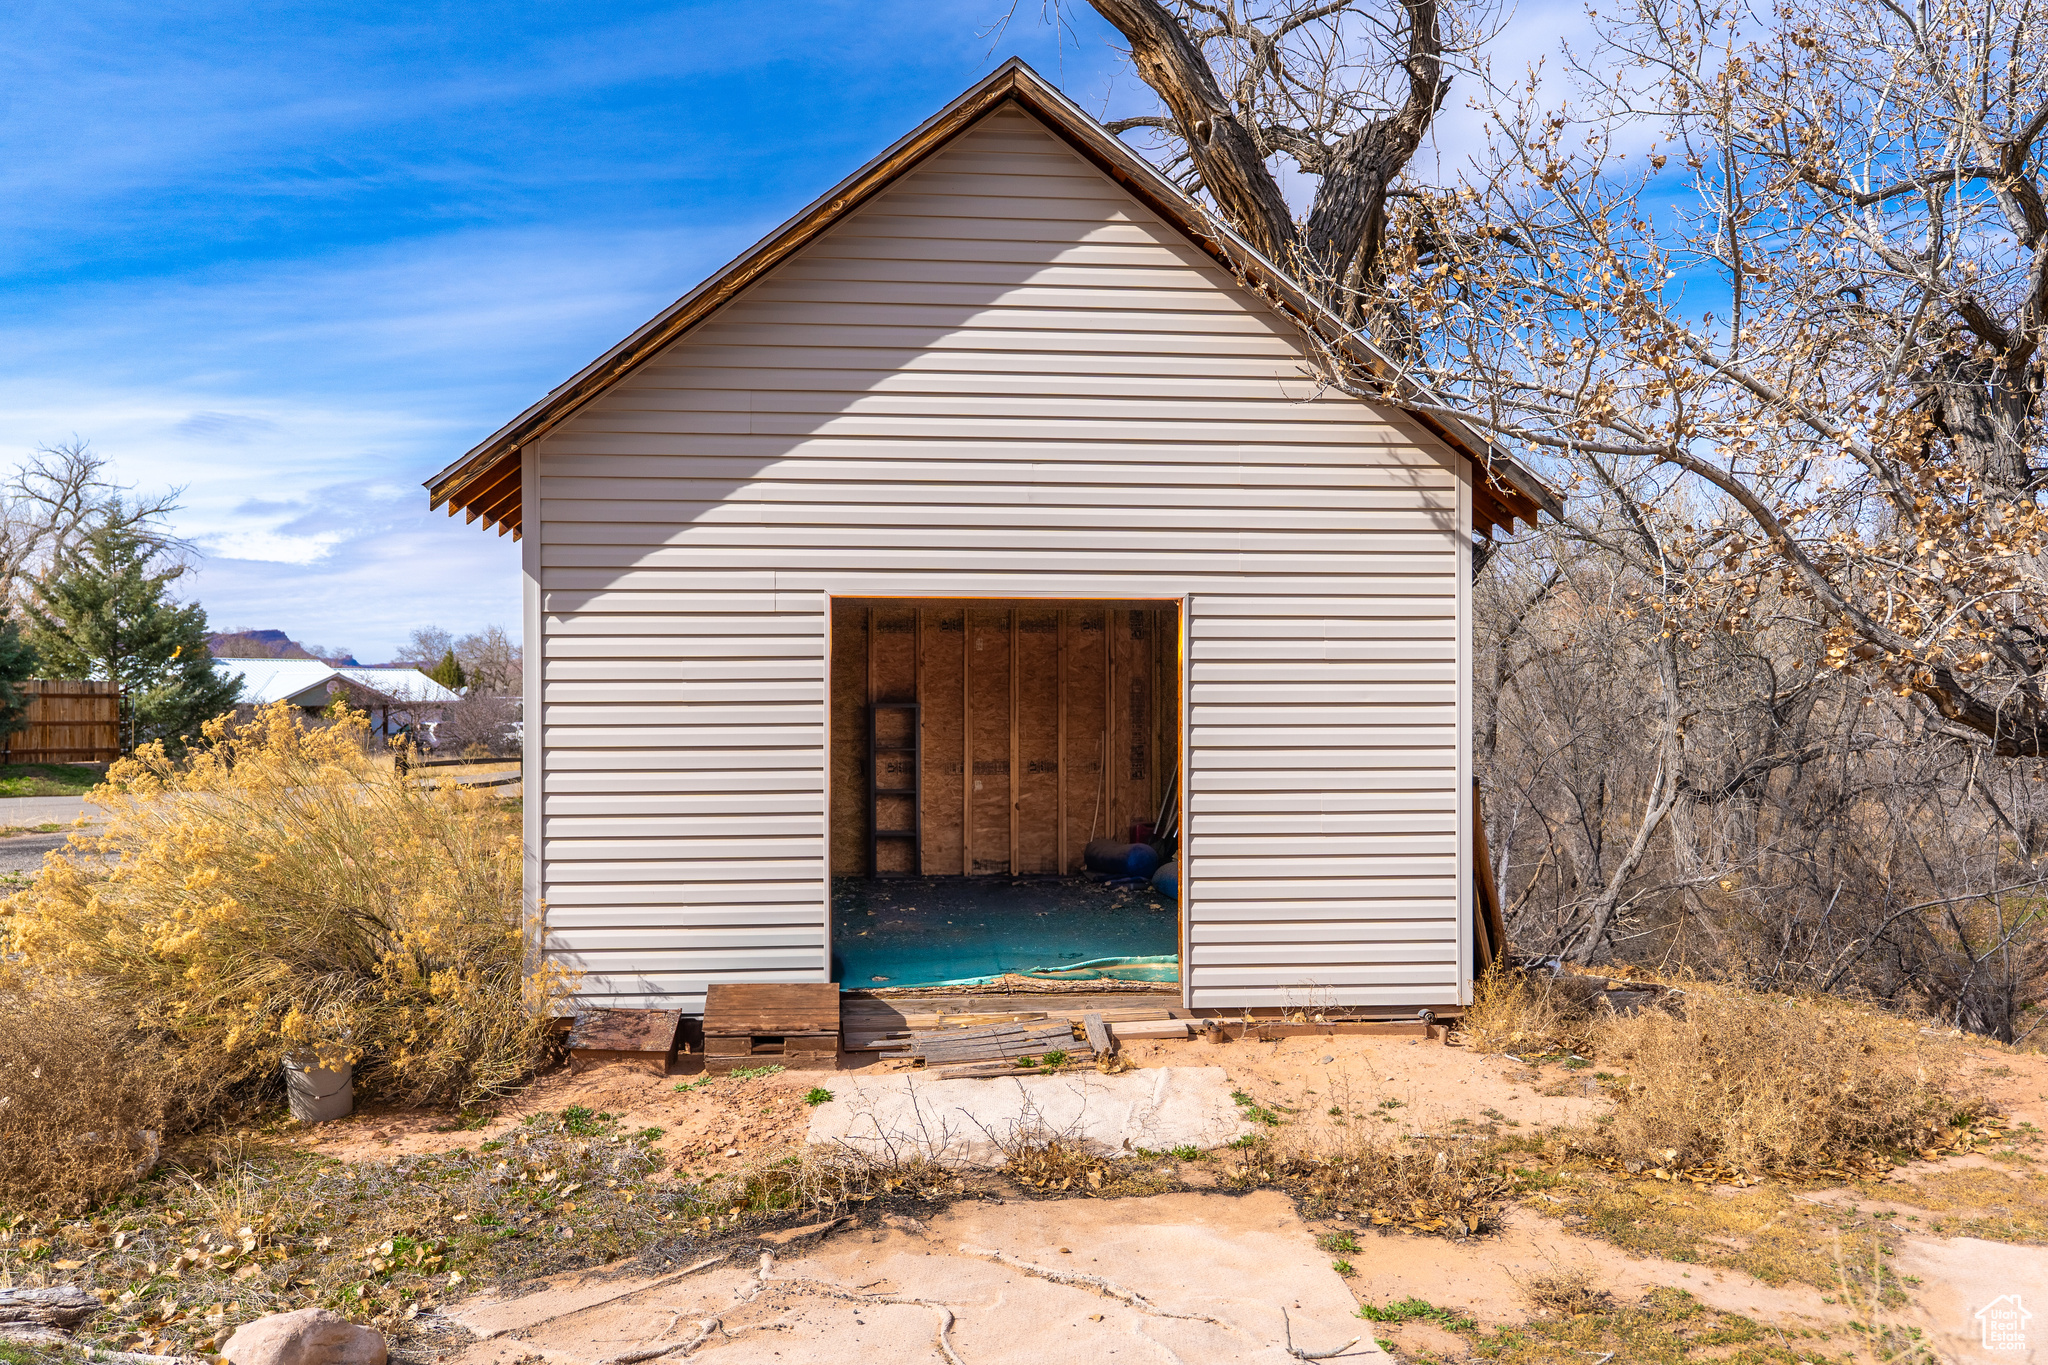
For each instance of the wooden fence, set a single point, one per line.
(69, 721)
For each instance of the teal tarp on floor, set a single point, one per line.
(963, 931)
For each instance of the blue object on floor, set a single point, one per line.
(962, 931)
(1166, 881)
(1141, 861)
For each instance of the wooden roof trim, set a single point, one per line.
(486, 466)
(490, 489)
(504, 510)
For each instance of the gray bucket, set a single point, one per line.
(319, 1094)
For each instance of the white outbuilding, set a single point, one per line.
(990, 508)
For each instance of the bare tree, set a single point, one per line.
(1765, 292)
(1862, 202)
(481, 722)
(61, 495)
(427, 645)
(1798, 828)
(490, 660)
(1345, 91)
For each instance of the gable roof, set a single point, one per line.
(304, 682)
(485, 482)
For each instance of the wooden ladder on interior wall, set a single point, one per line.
(913, 792)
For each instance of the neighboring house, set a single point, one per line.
(393, 696)
(1001, 427)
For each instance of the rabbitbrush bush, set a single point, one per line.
(281, 889)
(83, 1100)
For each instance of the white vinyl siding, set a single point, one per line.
(1322, 834)
(1001, 377)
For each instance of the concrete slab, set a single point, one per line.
(1199, 1279)
(1962, 1277)
(969, 1123)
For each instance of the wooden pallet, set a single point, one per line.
(647, 1038)
(790, 1025)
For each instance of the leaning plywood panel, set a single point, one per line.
(1002, 378)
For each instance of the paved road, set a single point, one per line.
(23, 854)
(26, 812)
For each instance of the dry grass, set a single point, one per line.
(1764, 1231)
(283, 889)
(1984, 1202)
(1452, 1188)
(83, 1102)
(1719, 1076)
(1754, 1082)
(1519, 1014)
(1664, 1327)
(1567, 1291)
(241, 1230)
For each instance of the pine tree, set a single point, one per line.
(105, 611)
(17, 662)
(448, 672)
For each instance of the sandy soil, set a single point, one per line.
(1484, 1280)
(1236, 1259)
(2015, 1082)
(1393, 1084)
(707, 1127)
(1400, 1085)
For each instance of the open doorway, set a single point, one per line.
(979, 748)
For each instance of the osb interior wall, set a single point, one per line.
(1018, 702)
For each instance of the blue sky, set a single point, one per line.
(295, 257)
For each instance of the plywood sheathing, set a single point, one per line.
(892, 676)
(1021, 703)
(1087, 713)
(848, 838)
(1038, 735)
(988, 674)
(943, 639)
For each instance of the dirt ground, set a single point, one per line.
(717, 1124)
(1237, 1259)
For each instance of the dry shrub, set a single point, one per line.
(1511, 1012)
(817, 1183)
(1565, 1290)
(281, 890)
(83, 1101)
(1451, 1188)
(1059, 1164)
(1753, 1081)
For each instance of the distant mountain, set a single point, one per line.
(267, 644)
